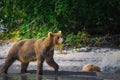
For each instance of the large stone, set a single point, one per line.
(111, 63)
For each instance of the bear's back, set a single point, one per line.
(25, 42)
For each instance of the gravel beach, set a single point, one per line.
(73, 61)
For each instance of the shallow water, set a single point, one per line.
(46, 77)
(62, 76)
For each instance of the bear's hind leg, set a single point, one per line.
(7, 64)
(24, 67)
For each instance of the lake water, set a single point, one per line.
(82, 76)
(46, 77)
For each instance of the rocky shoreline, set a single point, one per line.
(70, 63)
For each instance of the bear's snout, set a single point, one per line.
(60, 41)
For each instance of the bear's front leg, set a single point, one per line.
(40, 67)
(24, 67)
(51, 62)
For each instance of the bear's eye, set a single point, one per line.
(58, 37)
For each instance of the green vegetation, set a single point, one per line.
(78, 19)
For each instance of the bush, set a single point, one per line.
(34, 19)
(78, 40)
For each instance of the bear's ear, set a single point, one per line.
(59, 32)
(50, 34)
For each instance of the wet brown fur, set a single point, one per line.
(33, 50)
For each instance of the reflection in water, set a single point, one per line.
(24, 77)
(27, 77)
(63, 75)
(5, 77)
(45, 77)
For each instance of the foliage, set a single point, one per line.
(35, 18)
(81, 39)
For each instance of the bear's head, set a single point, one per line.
(55, 38)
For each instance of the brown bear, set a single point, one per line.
(90, 67)
(34, 50)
